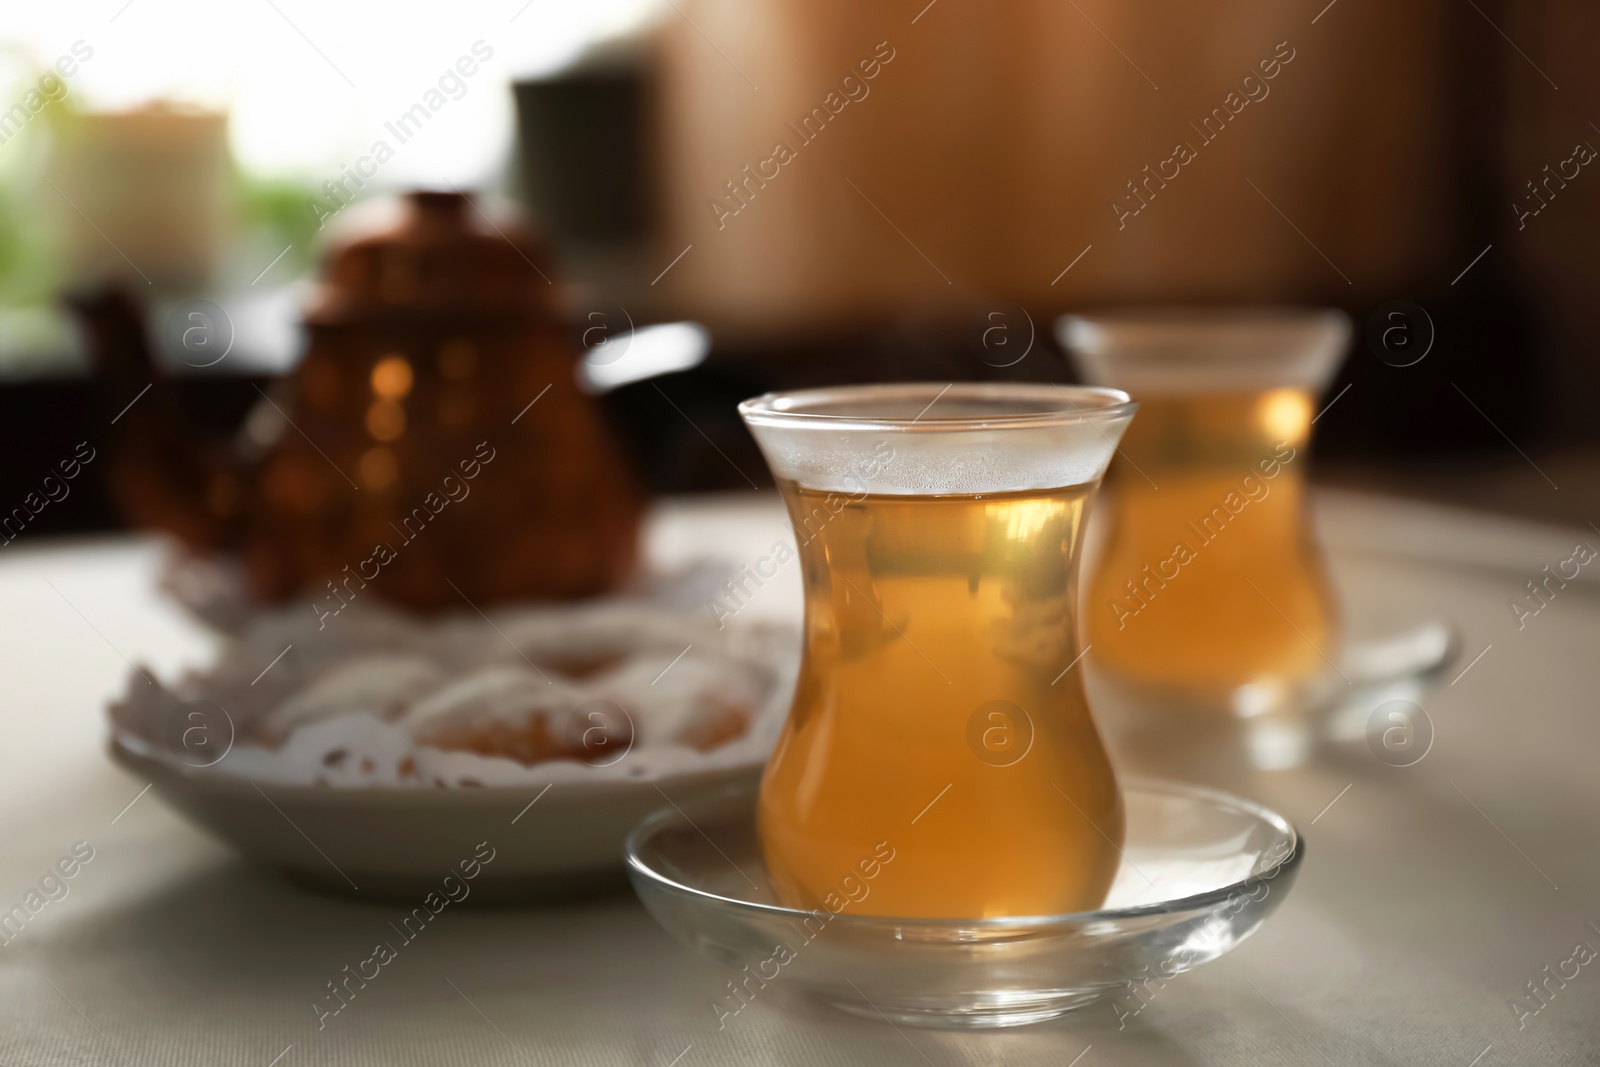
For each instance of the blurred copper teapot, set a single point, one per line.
(433, 443)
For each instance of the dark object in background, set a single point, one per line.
(685, 428)
(1489, 372)
(43, 424)
(588, 161)
(584, 160)
(432, 442)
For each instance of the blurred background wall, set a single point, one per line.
(942, 164)
(999, 138)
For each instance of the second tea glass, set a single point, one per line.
(1211, 593)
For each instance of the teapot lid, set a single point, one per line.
(443, 255)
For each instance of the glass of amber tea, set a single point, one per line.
(938, 718)
(1210, 593)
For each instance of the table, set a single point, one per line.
(1430, 895)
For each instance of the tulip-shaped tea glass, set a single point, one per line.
(938, 717)
(1210, 593)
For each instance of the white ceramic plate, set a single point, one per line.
(548, 840)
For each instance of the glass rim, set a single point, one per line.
(1207, 349)
(1248, 333)
(1205, 316)
(1058, 405)
(633, 845)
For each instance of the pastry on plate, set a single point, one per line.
(517, 713)
(382, 686)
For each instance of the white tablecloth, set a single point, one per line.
(1430, 897)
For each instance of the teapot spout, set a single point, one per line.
(163, 476)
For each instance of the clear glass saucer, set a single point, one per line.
(1201, 871)
(1162, 732)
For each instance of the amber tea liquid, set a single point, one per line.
(932, 712)
(1209, 581)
